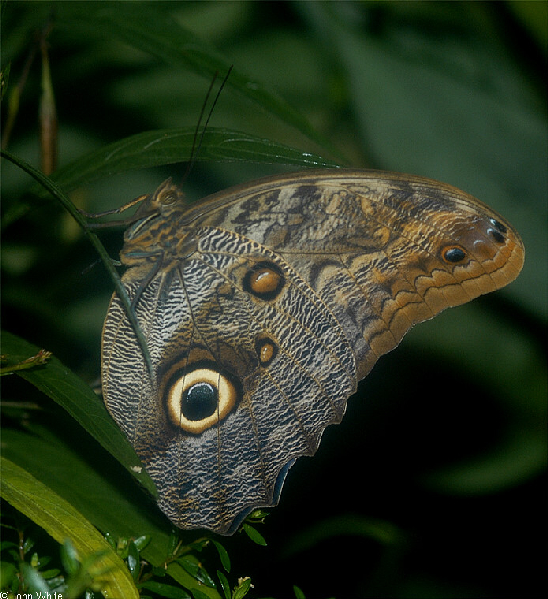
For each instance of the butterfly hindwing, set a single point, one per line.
(212, 318)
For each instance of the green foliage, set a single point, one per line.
(430, 487)
(253, 534)
(24, 571)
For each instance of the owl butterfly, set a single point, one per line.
(262, 308)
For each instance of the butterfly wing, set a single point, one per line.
(264, 305)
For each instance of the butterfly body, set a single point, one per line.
(264, 305)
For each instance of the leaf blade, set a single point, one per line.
(170, 146)
(159, 34)
(56, 381)
(61, 521)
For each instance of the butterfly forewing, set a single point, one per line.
(264, 305)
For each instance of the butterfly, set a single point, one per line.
(263, 306)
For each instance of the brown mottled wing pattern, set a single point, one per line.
(264, 305)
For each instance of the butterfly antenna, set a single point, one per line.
(197, 142)
(113, 223)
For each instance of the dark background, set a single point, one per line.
(434, 484)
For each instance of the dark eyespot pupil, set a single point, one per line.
(454, 255)
(496, 235)
(199, 401)
(498, 225)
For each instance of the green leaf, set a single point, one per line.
(141, 542)
(174, 540)
(199, 544)
(298, 593)
(189, 582)
(34, 580)
(7, 545)
(133, 560)
(170, 146)
(28, 545)
(52, 573)
(223, 555)
(193, 566)
(254, 534)
(190, 564)
(159, 34)
(8, 575)
(223, 580)
(242, 589)
(62, 521)
(76, 397)
(111, 540)
(69, 557)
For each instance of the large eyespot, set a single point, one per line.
(199, 397)
(264, 280)
(453, 254)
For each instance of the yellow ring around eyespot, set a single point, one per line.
(226, 393)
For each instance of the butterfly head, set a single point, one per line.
(167, 194)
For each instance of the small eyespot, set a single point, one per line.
(199, 398)
(496, 235)
(453, 254)
(266, 350)
(498, 225)
(264, 280)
